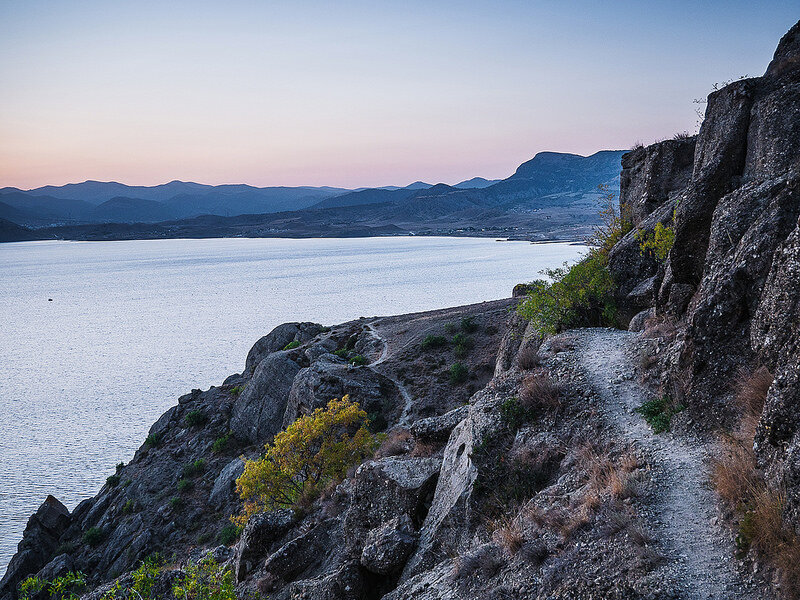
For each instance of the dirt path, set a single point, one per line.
(700, 554)
(407, 398)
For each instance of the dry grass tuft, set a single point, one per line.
(529, 358)
(424, 449)
(561, 344)
(751, 390)
(742, 487)
(508, 535)
(660, 327)
(483, 561)
(397, 442)
(539, 393)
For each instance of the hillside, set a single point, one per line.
(552, 196)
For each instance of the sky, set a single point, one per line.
(352, 93)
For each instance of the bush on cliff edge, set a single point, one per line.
(312, 452)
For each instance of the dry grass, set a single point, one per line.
(660, 327)
(481, 561)
(742, 487)
(751, 390)
(528, 358)
(508, 534)
(539, 393)
(561, 344)
(617, 479)
(425, 449)
(397, 442)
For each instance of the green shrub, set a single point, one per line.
(469, 325)
(659, 412)
(65, 587)
(221, 443)
(513, 413)
(195, 418)
(129, 507)
(93, 536)
(342, 352)
(127, 482)
(153, 440)
(229, 534)
(31, 585)
(205, 581)
(579, 296)
(358, 360)
(433, 341)
(458, 373)
(462, 344)
(193, 469)
(176, 502)
(291, 345)
(235, 391)
(450, 328)
(112, 480)
(145, 576)
(185, 485)
(656, 243)
(120, 466)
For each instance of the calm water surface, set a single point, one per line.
(133, 325)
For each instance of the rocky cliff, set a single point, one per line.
(536, 477)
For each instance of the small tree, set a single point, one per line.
(615, 222)
(313, 451)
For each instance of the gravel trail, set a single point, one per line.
(700, 554)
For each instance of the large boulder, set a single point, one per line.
(257, 414)
(222, 491)
(260, 534)
(278, 339)
(325, 380)
(39, 542)
(387, 547)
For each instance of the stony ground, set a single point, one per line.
(699, 552)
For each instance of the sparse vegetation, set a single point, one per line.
(221, 443)
(235, 391)
(193, 469)
(433, 341)
(312, 452)
(342, 352)
(205, 581)
(538, 393)
(656, 243)
(153, 440)
(358, 360)
(128, 507)
(292, 345)
(469, 325)
(458, 373)
(176, 503)
(112, 480)
(185, 485)
(195, 418)
(528, 357)
(398, 441)
(450, 328)
(229, 534)
(462, 344)
(658, 412)
(93, 536)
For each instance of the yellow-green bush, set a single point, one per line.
(313, 451)
(656, 243)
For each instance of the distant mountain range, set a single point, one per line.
(552, 191)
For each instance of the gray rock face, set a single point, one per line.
(224, 483)
(278, 339)
(387, 547)
(732, 274)
(261, 532)
(652, 175)
(325, 380)
(39, 541)
(258, 412)
(638, 321)
(439, 428)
